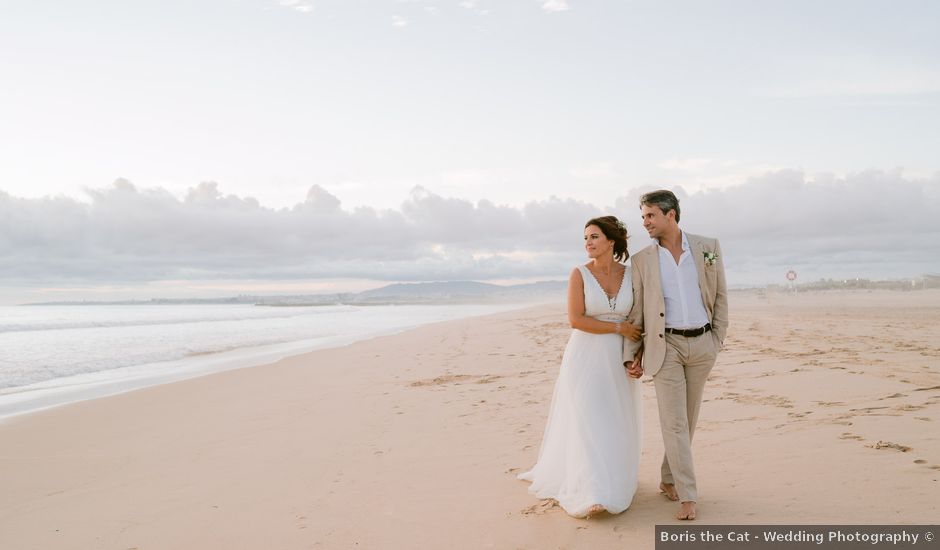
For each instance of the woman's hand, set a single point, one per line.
(631, 331)
(636, 369)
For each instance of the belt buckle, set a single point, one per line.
(689, 332)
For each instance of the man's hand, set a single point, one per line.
(631, 331)
(635, 370)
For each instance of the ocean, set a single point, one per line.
(51, 355)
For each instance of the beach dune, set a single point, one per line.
(823, 408)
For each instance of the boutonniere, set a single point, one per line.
(711, 258)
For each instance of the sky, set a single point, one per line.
(152, 149)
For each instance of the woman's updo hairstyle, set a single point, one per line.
(615, 231)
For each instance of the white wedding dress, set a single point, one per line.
(590, 451)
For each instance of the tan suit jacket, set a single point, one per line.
(649, 308)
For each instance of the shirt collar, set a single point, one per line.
(685, 241)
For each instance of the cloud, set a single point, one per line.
(863, 224)
(399, 21)
(698, 173)
(126, 234)
(873, 223)
(553, 6)
(473, 5)
(302, 6)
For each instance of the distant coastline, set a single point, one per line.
(922, 282)
(472, 292)
(453, 292)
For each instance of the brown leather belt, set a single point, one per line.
(690, 331)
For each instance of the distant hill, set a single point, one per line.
(429, 290)
(460, 291)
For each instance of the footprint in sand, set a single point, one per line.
(867, 410)
(455, 379)
(894, 395)
(540, 508)
(890, 445)
(908, 408)
(771, 400)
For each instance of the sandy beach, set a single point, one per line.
(823, 409)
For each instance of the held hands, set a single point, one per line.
(635, 370)
(629, 330)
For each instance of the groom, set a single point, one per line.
(681, 301)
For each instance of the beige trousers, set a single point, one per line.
(679, 386)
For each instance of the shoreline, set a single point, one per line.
(22, 400)
(414, 439)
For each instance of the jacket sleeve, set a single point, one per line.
(630, 348)
(720, 311)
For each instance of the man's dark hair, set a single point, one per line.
(665, 200)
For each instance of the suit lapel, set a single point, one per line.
(698, 254)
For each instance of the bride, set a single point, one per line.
(590, 451)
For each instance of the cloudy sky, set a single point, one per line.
(222, 146)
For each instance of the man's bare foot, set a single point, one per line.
(669, 490)
(595, 510)
(686, 510)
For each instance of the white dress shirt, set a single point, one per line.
(684, 306)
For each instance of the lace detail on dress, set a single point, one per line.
(611, 300)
